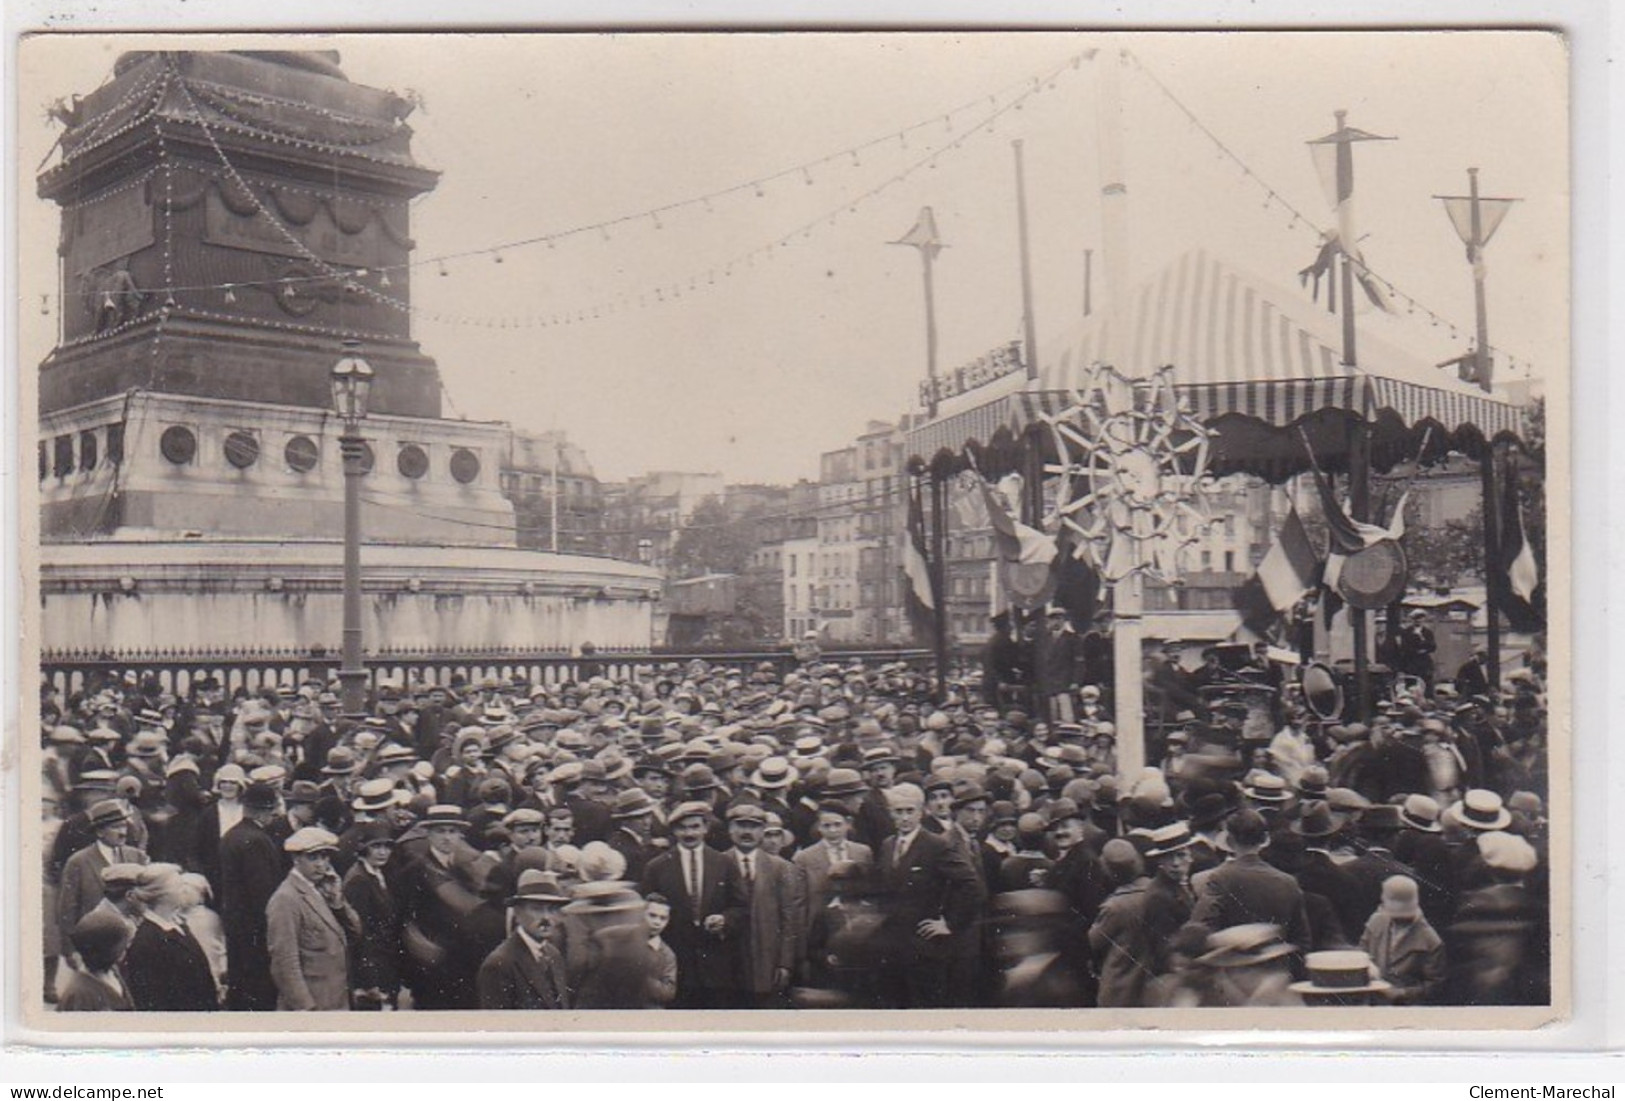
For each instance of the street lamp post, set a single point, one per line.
(352, 382)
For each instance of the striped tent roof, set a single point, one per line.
(1238, 346)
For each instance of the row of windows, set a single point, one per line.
(968, 586)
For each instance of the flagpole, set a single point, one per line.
(1029, 326)
(1489, 509)
(1485, 363)
(1359, 459)
(939, 573)
(1345, 171)
(1491, 512)
(1128, 593)
(923, 238)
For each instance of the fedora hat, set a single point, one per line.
(538, 886)
(1208, 809)
(303, 792)
(1318, 821)
(261, 796)
(879, 755)
(633, 803)
(967, 792)
(108, 812)
(341, 761)
(699, 778)
(844, 781)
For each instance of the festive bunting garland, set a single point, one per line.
(1273, 198)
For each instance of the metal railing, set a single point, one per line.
(178, 671)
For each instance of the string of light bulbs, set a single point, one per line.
(950, 121)
(1274, 198)
(698, 280)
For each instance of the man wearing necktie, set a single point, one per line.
(834, 848)
(708, 910)
(776, 929)
(931, 895)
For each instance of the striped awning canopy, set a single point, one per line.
(1253, 361)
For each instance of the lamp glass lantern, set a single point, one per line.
(352, 385)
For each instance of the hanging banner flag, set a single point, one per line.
(1334, 162)
(1521, 574)
(970, 506)
(924, 234)
(1026, 554)
(1289, 570)
(919, 594)
(1490, 214)
(1365, 564)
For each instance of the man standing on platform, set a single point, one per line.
(1057, 665)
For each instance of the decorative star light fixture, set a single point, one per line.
(1132, 466)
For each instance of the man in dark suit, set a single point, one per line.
(81, 888)
(634, 815)
(1416, 647)
(1057, 665)
(1245, 890)
(526, 971)
(250, 872)
(776, 893)
(931, 897)
(708, 908)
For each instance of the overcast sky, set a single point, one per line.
(755, 373)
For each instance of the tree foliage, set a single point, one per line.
(713, 541)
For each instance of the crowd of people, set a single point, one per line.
(839, 834)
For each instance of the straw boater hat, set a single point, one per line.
(444, 814)
(1481, 810)
(1420, 812)
(1266, 787)
(774, 773)
(374, 795)
(1341, 973)
(1167, 839)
